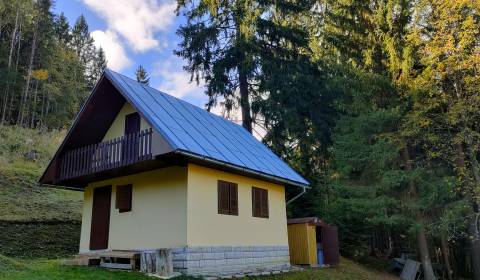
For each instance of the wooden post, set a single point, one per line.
(158, 262)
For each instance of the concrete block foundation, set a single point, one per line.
(230, 260)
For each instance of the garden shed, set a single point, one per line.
(312, 242)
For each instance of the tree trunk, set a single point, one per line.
(472, 156)
(446, 256)
(21, 112)
(10, 56)
(244, 101)
(424, 253)
(243, 78)
(34, 107)
(12, 42)
(10, 106)
(42, 113)
(157, 262)
(475, 246)
(422, 243)
(473, 230)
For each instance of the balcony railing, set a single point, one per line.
(121, 151)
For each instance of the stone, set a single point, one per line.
(194, 256)
(208, 256)
(192, 264)
(177, 250)
(219, 256)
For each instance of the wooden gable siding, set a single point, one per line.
(92, 128)
(90, 125)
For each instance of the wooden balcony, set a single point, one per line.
(118, 152)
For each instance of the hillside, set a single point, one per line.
(34, 220)
(24, 153)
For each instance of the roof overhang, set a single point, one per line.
(203, 160)
(113, 97)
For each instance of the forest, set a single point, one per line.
(47, 67)
(375, 102)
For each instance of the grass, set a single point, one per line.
(39, 240)
(24, 154)
(52, 270)
(34, 220)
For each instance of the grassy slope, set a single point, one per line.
(24, 153)
(48, 269)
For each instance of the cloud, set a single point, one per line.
(117, 59)
(175, 81)
(136, 21)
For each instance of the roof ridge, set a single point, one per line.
(171, 116)
(172, 96)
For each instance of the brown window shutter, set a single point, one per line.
(264, 203)
(123, 199)
(259, 202)
(233, 199)
(254, 202)
(223, 198)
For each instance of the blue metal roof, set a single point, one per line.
(189, 128)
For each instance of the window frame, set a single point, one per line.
(230, 190)
(126, 189)
(260, 197)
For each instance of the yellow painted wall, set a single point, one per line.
(159, 211)
(208, 228)
(117, 128)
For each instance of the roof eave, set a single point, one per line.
(242, 169)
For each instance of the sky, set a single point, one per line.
(143, 32)
(138, 32)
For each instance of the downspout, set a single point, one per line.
(304, 190)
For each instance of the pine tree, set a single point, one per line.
(99, 64)
(62, 29)
(217, 42)
(83, 45)
(142, 75)
(82, 42)
(43, 80)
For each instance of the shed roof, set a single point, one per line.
(307, 220)
(193, 130)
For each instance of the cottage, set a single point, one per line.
(158, 172)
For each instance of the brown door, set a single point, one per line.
(330, 245)
(130, 144)
(100, 218)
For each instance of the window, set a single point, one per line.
(259, 202)
(123, 201)
(227, 198)
(132, 123)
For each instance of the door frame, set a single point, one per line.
(101, 195)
